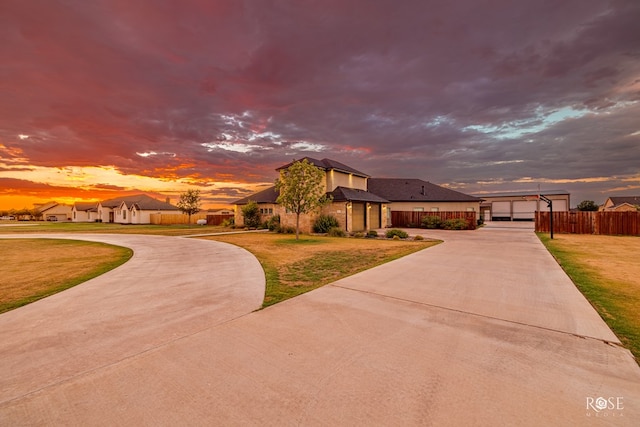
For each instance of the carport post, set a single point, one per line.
(550, 206)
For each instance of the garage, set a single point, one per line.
(501, 211)
(559, 205)
(524, 210)
(357, 216)
(374, 216)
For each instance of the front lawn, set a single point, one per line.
(36, 268)
(103, 227)
(606, 270)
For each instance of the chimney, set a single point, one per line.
(168, 200)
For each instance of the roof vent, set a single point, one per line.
(422, 192)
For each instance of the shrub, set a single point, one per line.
(251, 213)
(336, 232)
(431, 222)
(396, 237)
(324, 223)
(285, 229)
(273, 224)
(358, 235)
(395, 232)
(418, 237)
(455, 224)
(230, 222)
(372, 233)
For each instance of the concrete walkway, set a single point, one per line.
(484, 329)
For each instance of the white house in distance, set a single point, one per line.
(54, 211)
(522, 205)
(136, 209)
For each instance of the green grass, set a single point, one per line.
(617, 301)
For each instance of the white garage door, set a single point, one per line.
(524, 209)
(501, 210)
(558, 206)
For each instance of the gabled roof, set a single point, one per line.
(141, 201)
(47, 206)
(265, 196)
(415, 190)
(88, 207)
(344, 194)
(328, 164)
(631, 200)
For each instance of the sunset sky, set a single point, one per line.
(101, 98)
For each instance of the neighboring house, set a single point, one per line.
(84, 212)
(135, 209)
(521, 206)
(421, 196)
(622, 204)
(360, 202)
(53, 211)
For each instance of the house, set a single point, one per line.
(136, 209)
(417, 195)
(355, 208)
(522, 205)
(622, 204)
(53, 211)
(360, 202)
(84, 212)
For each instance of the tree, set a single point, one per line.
(587, 205)
(189, 202)
(251, 214)
(301, 189)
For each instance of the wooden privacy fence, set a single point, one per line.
(168, 219)
(414, 219)
(611, 223)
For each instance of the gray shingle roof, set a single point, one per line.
(619, 200)
(142, 201)
(327, 164)
(412, 190)
(89, 207)
(526, 193)
(265, 196)
(344, 194)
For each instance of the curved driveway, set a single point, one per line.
(484, 329)
(171, 288)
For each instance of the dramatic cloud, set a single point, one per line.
(481, 96)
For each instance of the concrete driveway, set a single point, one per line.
(484, 329)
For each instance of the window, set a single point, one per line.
(435, 209)
(471, 209)
(124, 214)
(418, 209)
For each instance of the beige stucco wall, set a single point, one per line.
(339, 179)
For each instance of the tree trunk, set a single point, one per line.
(297, 225)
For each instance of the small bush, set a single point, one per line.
(336, 232)
(396, 237)
(372, 233)
(431, 222)
(324, 223)
(273, 224)
(395, 232)
(285, 229)
(455, 224)
(358, 235)
(418, 237)
(228, 223)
